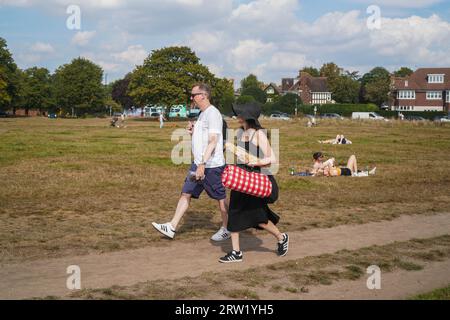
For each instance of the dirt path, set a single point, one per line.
(394, 285)
(191, 258)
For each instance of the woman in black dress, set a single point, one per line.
(246, 211)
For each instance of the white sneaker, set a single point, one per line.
(361, 174)
(373, 171)
(221, 235)
(166, 229)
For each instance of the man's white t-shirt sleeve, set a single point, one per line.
(215, 123)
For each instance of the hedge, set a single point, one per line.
(344, 110)
(430, 115)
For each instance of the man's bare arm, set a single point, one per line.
(212, 143)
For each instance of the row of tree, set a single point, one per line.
(165, 78)
(346, 87)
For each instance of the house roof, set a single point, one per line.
(274, 86)
(315, 84)
(419, 80)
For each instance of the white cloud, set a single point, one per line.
(206, 42)
(134, 55)
(215, 69)
(234, 38)
(82, 38)
(403, 3)
(109, 66)
(408, 36)
(41, 47)
(247, 52)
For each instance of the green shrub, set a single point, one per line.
(430, 115)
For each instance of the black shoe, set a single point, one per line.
(233, 256)
(283, 246)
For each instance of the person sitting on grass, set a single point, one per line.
(328, 168)
(340, 139)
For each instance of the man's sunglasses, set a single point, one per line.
(193, 95)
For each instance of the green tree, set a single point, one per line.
(403, 72)
(375, 86)
(331, 70)
(312, 71)
(5, 99)
(79, 85)
(120, 93)
(346, 89)
(251, 81)
(9, 78)
(36, 89)
(287, 103)
(167, 76)
(343, 85)
(245, 99)
(223, 95)
(256, 93)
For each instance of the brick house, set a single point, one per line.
(312, 90)
(427, 89)
(287, 84)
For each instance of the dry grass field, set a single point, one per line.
(78, 186)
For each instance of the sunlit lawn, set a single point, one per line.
(79, 186)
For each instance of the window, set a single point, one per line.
(448, 96)
(434, 95)
(435, 78)
(406, 94)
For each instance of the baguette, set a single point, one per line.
(241, 153)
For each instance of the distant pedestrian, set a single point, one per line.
(161, 120)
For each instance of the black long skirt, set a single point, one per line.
(247, 211)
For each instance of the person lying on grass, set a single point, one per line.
(328, 168)
(319, 163)
(340, 139)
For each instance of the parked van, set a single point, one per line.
(153, 111)
(367, 115)
(178, 111)
(194, 113)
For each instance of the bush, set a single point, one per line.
(430, 115)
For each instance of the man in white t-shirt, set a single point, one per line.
(205, 173)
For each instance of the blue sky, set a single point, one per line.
(272, 38)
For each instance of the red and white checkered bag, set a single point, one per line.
(252, 183)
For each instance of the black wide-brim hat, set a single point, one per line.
(248, 111)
